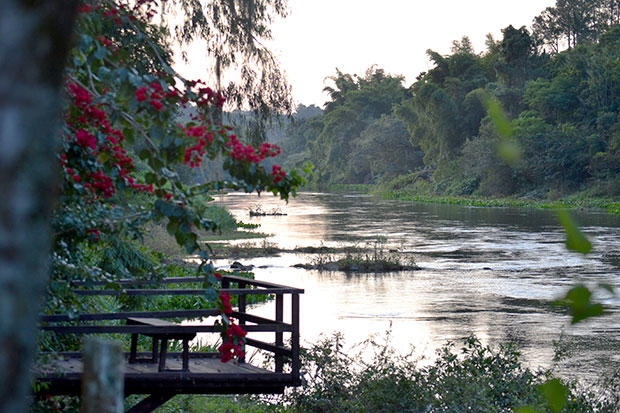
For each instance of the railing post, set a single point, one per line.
(296, 362)
(279, 335)
(242, 308)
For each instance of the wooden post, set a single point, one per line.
(279, 336)
(296, 363)
(242, 309)
(103, 378)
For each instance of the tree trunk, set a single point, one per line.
(34, 41)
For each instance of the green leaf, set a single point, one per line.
(122, 73)
(150, 178)
(173, 226)
(510, 151)
(103, 72)
(555, 394)
(499, 118)
(101, 53)
(203, 254)
(77, 61)
(144, 154)
(578, 300)
(211, 294)
(575, 240)
(156, 133)
(130, 134)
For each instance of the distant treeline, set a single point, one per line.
(559, 83)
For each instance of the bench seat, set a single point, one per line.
(161, 339)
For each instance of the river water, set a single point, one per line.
(492, 272)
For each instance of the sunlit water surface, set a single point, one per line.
(492, 272)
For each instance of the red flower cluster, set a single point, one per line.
(94, 233)
(101, 183)
(81, 97)
(233, 337)
(141, 93)
(207, 97)
(89, 120)
(194, 154)
(86, 139)
(269, 150)
(104, 41)
(85, 8)
(278, 173)
(114, 14)
(225, 307)
(156, 96)
(247, 153)
(228, 350)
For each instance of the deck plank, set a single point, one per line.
(206, 375)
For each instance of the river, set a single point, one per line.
(492, 272)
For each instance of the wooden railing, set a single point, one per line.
(234, 285)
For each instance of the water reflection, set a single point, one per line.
(488, 271)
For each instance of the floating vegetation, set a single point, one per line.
(374, 257)
(258, 211)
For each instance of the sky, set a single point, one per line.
(319, 36)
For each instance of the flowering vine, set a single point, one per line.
(233, 335)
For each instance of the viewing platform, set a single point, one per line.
(162, 374)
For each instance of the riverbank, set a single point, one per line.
(578, 200)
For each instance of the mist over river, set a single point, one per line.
(492, 272)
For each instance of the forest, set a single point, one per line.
(557, 81)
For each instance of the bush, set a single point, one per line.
(473, 378)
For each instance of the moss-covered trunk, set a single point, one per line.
(34, 40)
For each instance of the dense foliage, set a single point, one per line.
(557, 82)
(470, 377)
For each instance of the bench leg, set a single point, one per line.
(162, 354)
(185, 355)
(134, 346)
(155, 350)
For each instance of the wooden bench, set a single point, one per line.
(160, 338)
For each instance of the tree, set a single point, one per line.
(517, 63)
(356, 101)
(235, 33)
(571, 22)
(33, 53)
(444, 112)
(384, 149)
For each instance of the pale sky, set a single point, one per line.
(352, 35)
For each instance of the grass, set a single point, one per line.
(158, 239)
(568, 202)
(372, 257)
(246, 250)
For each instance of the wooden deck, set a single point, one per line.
(163, 377)
(206, 375)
